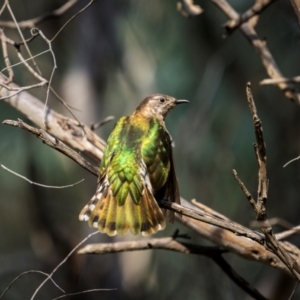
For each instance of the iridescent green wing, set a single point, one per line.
(121, 162)
(113, 143)
(158, 157)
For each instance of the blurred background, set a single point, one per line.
(109, 58)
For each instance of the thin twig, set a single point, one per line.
(234, 276)
(294, 290)
(295, 79)
(21, 62)
(84, 292)
(62, 262)
(99, 124)
(39, 184)
(285, 234)
(261, 48)
(35, 21)
(273, 221)
(256, 9)
(72, 18)
(28, 272)
(35, 31)
(22, 37)
(6, 57)
(292, 160)
(262, 193)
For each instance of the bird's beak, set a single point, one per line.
(179, 101)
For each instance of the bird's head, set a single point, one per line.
(158, 105)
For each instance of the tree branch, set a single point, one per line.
(31, 23)
(262, 193)
(261, 48)
(76, 135)
(239, 240)
(55, 144)
(258, 7)
(169, 243)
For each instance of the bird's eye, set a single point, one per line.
(161, 100)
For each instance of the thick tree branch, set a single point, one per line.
(210, 219)
(55, 144)
(76, 135)
(169, 243)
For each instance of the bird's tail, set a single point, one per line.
(104, 212)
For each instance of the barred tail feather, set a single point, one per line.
(154, 219)
(104, 213)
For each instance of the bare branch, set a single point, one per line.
(295, 79)
(168, 243)
(261, 48)
(84, 292)
(28, 272)
(296, 8)
(288, 233)
(6, 57)
(61, 263)
(172, 244)
(39, 184)
(188, 9)
(22, 37)
(99, 124)
(72, 18)
(240, 281)
(273, 221)
(65, 129)
(35, 21)
(260, 204)
(55, 144)
(208, 218)
(258, 7)
(292, 160)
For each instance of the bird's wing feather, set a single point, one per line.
(158, 157)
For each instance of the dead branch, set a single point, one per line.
(261, 48)
(55, 144)
(258, 7)
(170, 243)
(49, 277)
(39, 184)
(288, 233)
(295, 79)
(35, 21)
(76, 135)
(296, 8)
(25, 273)
(259, 205)
(210, 219)
(188, 9)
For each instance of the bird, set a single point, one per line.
(136, 171)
